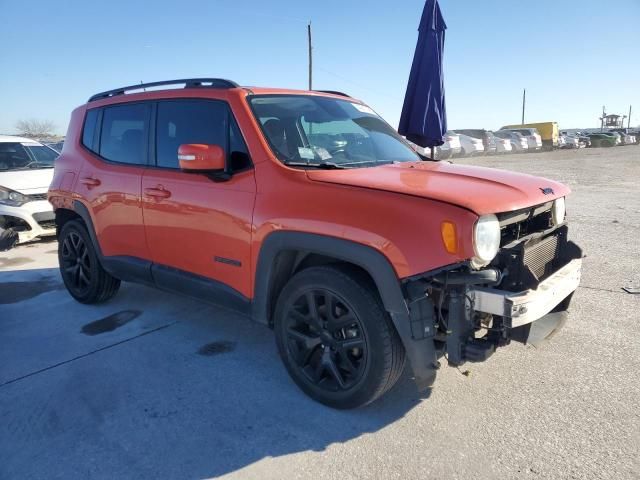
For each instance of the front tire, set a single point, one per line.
(80, 267)
(335, 338)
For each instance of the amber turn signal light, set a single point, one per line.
(449, 237)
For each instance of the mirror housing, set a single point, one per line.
(194, 157)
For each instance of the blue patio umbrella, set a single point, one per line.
(424, 117)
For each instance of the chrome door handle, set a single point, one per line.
(90, 182)
(157, 192)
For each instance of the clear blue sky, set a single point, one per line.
(55, 53)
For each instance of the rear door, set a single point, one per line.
(198, 229)
(109, 180)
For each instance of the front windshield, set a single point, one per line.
(306, 130)
(24, 156)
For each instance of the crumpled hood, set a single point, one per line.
(479, 189)
(27, 181)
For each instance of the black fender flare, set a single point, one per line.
(81, 209)
(421, 352)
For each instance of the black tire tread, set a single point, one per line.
(107, 285)
(394, 350)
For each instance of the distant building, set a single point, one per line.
(612, 121)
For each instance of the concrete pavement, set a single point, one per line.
(152, 385)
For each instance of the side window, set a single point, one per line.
(197, 121)
(124, 133)
(188, 121)
(89, 129)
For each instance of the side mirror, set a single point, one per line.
(201, 158)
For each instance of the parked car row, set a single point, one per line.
(475, 142)
(613, 138)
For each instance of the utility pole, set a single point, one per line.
(310, 57)
(629, 118)
(524, 103)
(602, 119)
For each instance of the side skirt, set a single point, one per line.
(200, 288)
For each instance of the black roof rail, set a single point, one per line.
(188, 83)
(333, 92)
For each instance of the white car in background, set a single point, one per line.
(532, 135)
(450, 148)
(562, 143)
(471, 146)
(582, 139)
(519, 144)
(26, 170)
(568, 141)
(627, 139)
(503, 145)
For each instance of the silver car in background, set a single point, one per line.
(519, 144)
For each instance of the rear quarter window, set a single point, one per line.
(89, 129)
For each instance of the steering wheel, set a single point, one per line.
(340, 151)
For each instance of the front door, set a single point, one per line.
(198, 230)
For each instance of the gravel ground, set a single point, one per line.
(153, 385)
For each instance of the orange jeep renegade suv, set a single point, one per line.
(307, 212)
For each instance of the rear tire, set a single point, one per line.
(80, 267)
(335, 338)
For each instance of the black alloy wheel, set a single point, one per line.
(335, 338)
(76, 264)
(326, 339)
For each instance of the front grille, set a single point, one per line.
(47, 224)
(540, 257)
(37, 196)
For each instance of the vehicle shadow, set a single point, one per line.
(177, 389)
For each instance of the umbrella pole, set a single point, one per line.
(433, 154)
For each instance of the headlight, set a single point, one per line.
(12, 198)
(486, 239)
(558, 211)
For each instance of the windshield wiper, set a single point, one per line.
(321, 165)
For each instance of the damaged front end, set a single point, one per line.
(522, 295)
